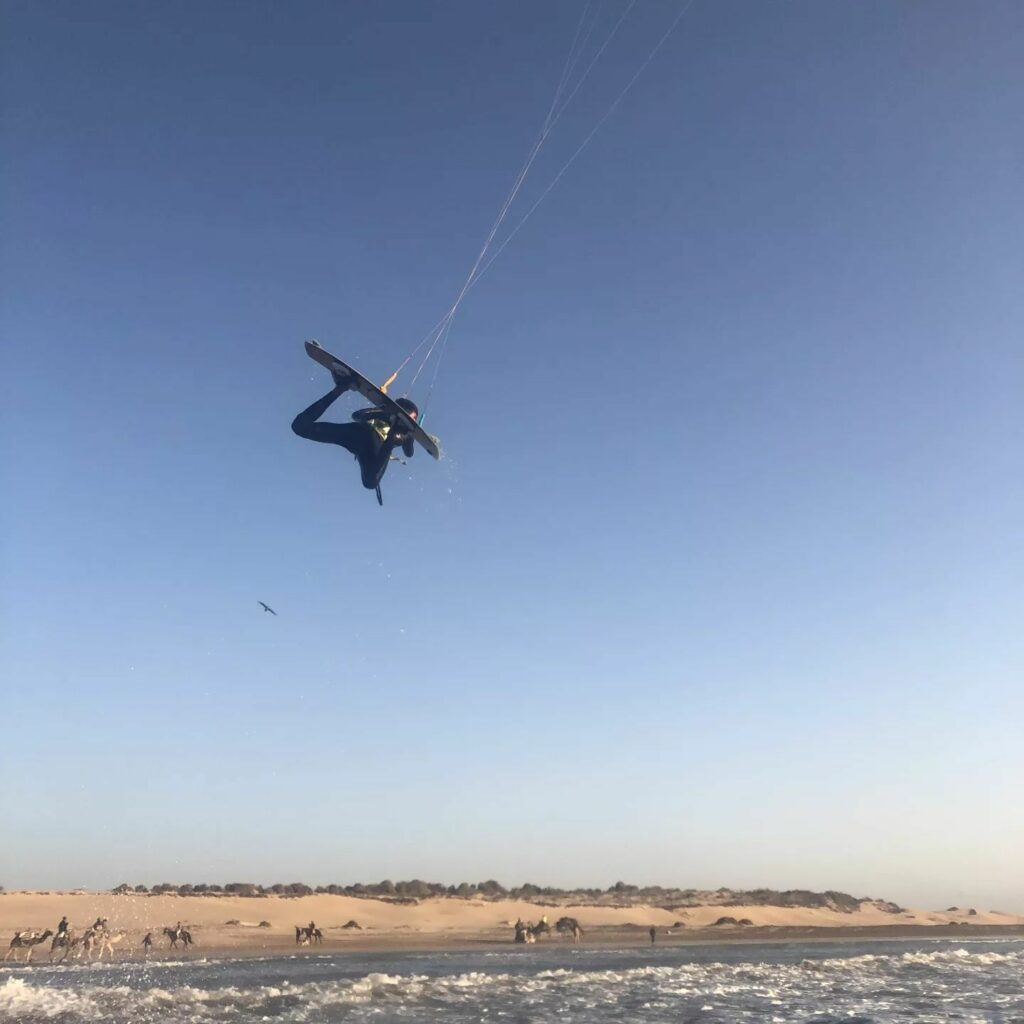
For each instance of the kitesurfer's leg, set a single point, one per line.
(374, 461)
(345, 434)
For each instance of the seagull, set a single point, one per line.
(266, 607)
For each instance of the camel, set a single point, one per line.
(82, 947)
(570, 926)
(66, 941)
(71, 948)
(27, 941)
(108, 940)
(75, 946)
(178, 934)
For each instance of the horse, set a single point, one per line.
(305, 936)
(178, 934)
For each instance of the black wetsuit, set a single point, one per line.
(361, 438)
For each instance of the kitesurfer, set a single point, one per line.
(371, 438)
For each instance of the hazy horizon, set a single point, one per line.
(720, 577)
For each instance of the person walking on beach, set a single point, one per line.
(653, 932)
(147, 943)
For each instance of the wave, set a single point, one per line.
(749, 987)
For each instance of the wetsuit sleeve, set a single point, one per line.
(305, 424)
(372, 413)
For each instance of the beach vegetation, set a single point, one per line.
(249, 889)
(619, 894)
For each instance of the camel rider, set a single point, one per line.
(312, 928)
(62, 928)
(99, 924)
(371, 438)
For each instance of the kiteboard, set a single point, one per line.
(373, 394)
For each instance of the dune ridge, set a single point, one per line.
(231, 922)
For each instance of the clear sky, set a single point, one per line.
(719, 579)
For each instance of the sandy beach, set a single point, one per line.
(226, 925)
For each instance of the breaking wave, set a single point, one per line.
(923, 985)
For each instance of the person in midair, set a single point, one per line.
(371, 438)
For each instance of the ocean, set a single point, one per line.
(814, 983)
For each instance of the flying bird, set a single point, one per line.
(266, 607)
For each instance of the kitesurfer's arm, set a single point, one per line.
(305, 424)
(370, 413)
(399, 438)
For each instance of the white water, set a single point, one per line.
(820, 983)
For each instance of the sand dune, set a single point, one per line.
(440, 919)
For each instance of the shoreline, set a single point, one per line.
(278, 947)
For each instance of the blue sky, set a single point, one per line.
(719, 580)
